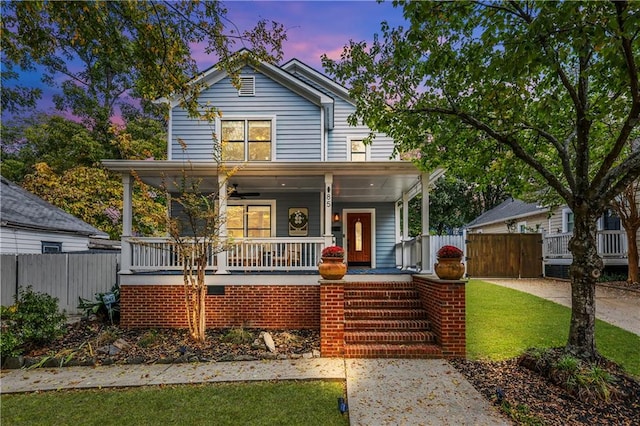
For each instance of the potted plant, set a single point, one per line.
(332, 266)
(449, 266)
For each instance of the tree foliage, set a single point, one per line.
(544, 94)
(103, 52)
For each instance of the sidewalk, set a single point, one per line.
(379, 392)
(615, 306)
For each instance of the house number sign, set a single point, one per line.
(329, 196)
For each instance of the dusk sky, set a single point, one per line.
(313, 28)
(316, 27)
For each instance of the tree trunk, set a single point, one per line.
(584, 271)
(632, 255)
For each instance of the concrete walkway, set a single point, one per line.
(615, 306)
(379, 392)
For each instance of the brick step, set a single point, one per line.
(386, 324)
(392, 351)
(382, 303)
(385, 285)
(380, 294)
(399, 314)
(388, 337)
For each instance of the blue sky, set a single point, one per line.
(313, 28)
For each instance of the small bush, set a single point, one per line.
(33, 320)
(237, 336)
(148, 339)
(106, 306)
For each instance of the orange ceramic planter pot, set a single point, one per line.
(332, 268)
(449, 269)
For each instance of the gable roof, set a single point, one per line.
(508, 209)
(22, 209)
(214, 74)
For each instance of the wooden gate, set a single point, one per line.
(504, 255)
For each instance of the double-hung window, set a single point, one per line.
(246, 140)
(358, 150)
(250, 221)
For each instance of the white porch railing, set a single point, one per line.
(263, 254)
(611, 244)
(409, 252)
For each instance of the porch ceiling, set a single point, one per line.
(352, 182)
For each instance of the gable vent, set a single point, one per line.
(247, 86)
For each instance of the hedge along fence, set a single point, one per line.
(65, 276)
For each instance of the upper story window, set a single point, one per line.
(567, 220)
(246, 140)
(358, 151)
(51, 247)
(610, 221)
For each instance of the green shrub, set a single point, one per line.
(33, 320)
(237, 336)
(105, 306)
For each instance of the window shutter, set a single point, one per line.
(247, 86)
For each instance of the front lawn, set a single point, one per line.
(502, 323)
(260, 403)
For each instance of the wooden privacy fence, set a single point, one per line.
(504, 255)
(66, 276)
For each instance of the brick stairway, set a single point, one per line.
(386, 320)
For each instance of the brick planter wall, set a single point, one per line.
(264, 306)
(445, 304)
(332, 318)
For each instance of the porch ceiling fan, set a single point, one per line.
(235, 194)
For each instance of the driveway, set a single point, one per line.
(613, 305)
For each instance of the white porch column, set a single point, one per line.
(127, 224)
(328, 207)
(426, 242)
(406, 253)
(221, 258)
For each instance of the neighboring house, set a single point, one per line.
(305, 180)
(515, 216)
(30, 225)
(511, 216)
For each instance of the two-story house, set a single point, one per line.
(304, 180)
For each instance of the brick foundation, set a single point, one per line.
(332, 318)
(445, 305)
(264, 306)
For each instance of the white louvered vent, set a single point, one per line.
(247, 86)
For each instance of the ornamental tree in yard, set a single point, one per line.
(545, 94)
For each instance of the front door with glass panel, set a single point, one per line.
(359, 239)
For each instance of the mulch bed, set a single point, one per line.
(532, 399)
(92, 343)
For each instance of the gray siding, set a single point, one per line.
(298, 121)
(285, 201)
(381, 147)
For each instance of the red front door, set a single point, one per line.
(359, 239)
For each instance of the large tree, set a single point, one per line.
(102, 53)
(547, 92)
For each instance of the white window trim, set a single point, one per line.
(45, 244)
(248, 202)
(565, 225)
(232, 117)
(367, 147)
(520, 225)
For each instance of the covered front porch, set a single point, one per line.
(362, 207)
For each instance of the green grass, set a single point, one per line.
(502, 323)
(262, 403)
